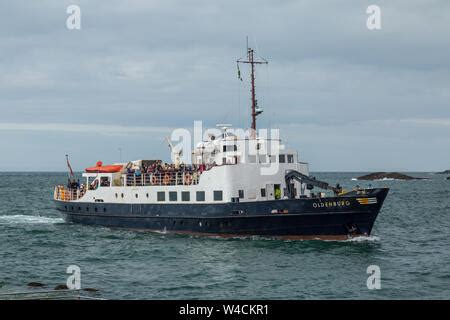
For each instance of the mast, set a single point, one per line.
(254, 102)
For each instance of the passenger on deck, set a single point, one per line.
(137, 172)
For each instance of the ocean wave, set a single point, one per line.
(28, 219)
(363, 239)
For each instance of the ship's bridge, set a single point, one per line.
(229, 148)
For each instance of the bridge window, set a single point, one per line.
(161, 196)
(172, 196)
(229, 148)
(185, 196)
(200, 195)
(290, 158)
(241, 194)
(282, 158)
(218, 195)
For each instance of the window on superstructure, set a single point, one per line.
(136, 195)
(218, 195)
(290, 158)
(241, 194)
(262, 158)
(104, 182)
(282, 158)
(172, 196)
(263, 192)
(185, 196)
(227, 148)
(200, 196)
(161, 196)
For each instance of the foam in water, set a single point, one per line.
(363, 239)
(28, 219)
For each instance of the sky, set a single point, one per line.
(346, 97)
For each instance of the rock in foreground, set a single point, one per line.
(388, 176)
(444, 172)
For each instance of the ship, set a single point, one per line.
(225, 191)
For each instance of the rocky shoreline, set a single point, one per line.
(388, 176)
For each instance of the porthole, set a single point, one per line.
(104, 209)
(117, 195)
(79, 208)
(87, 209)
(136, 195)
(95, 209)
(121, 195)
(148, 196)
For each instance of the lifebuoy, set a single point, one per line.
(166, 179)
(187, 179)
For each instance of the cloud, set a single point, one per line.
(84, 128)
(142, 67)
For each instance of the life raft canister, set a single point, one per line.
(166, 179)
(187, 179)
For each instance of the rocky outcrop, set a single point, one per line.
(61, 287)
(444, 172)
(388, 176)
(36, 285)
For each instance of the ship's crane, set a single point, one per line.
(300, 177)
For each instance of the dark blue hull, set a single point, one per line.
(333, 217)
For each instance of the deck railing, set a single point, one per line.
(162, 179)
(65, 194)
(132, 180)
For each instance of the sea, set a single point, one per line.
(408, 252)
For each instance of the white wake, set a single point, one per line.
(28, 219)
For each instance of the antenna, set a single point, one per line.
(256, 111)
(224, 126)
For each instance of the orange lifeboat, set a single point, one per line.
(100, 168)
